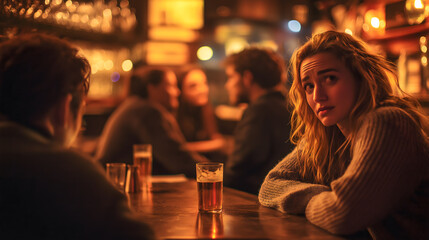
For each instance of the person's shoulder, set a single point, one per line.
(269, 106)
(389, 109)
(392, 118)
(72, 154)
(72, 164)
(389, 114)
(269, 101)
(50, 162)
(69, 158)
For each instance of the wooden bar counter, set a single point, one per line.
(172, 210)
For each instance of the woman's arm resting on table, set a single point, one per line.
(386, 167)
(283, 190)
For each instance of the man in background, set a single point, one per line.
(257, 76)
(145, 117)
(48, 191)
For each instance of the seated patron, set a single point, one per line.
(145, 117)
(195, 114)
(257, 76)
(46, 190)
(362, 155)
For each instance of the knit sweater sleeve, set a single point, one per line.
(385, 169)
(283, 189)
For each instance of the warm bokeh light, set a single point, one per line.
(416, 11)
(172, 33)
(45, 15)
(424, 61)
(234, 28)
(108, 64)
(167, 53)
(127, 65)
(205, 53)
(171, 13)
(69, 3)
(106, 68)
(423, 48)
(58, 16)
(375, 22)
(98, 16)
(348, 31)
(418, 4)
(38, 14)
(107, 13)
(234, 45)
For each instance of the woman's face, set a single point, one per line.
(195, 90)
(330, 89)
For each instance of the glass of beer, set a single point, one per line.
(210, 187)
(116, 173)
(143, 159)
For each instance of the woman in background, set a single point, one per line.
(195, 114)
(362, 155)
(146, 117)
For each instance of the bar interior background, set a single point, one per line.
(115, 33)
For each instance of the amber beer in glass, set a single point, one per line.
(143, 159)
(210, 187)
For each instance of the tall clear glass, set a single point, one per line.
(116, 173)
(210, 187)
(143, 159)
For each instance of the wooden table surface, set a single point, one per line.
(172, 210)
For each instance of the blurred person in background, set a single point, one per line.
(195, 114)
(47, 190)
(257, 76)
(146, 117)
(362, 155)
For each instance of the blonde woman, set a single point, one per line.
(362, 155)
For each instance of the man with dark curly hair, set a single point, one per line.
(257, 76)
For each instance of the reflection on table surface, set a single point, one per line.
(172, 210)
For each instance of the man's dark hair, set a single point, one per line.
(266, 66)
(36, 71)
(150, 76)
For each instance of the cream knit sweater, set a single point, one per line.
(384, 189)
